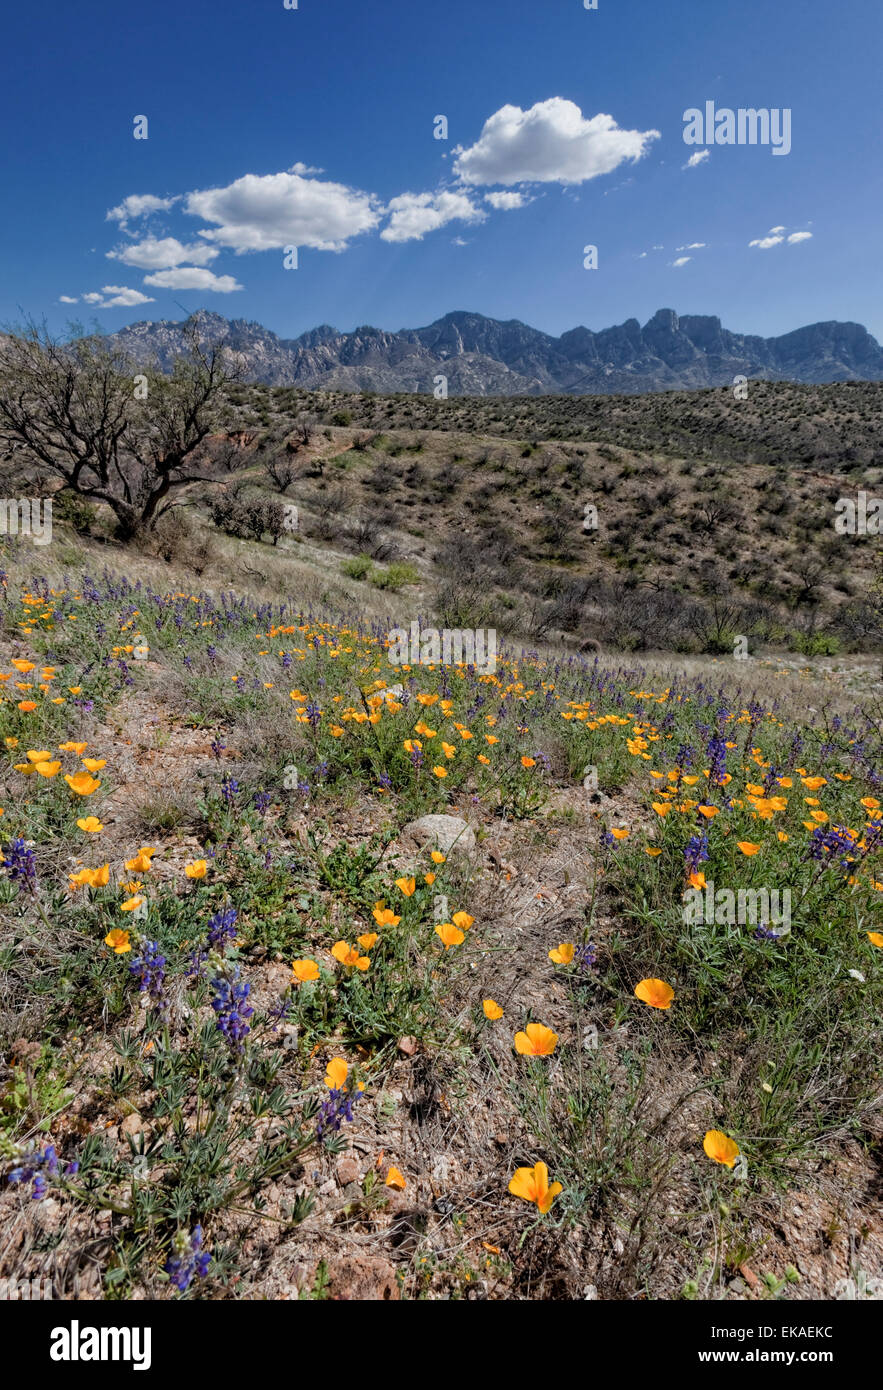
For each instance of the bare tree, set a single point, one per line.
(76, 409)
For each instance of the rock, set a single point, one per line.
(407, 1046)
(132, 1124)
(348, 1169)
(363, 1278)
(447, 833)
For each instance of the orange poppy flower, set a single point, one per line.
(532, 1185)
(536, 1041)
(563, 954)
(336, 1073)
(721, 1147)
(395, 1178)
(655, 993)
(492, 1009)
(141, 862)
(118, 941)
(82, 783)
(406, 886)
(449, 935)
(198, 869)
(349, 956)
(384, 916)
(304, 970)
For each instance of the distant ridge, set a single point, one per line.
(486, 357)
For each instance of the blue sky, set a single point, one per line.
(314, 127)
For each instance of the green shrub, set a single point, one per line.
(358, 568)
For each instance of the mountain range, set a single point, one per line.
(481, 356)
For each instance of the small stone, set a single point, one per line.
(132, 1124)
(348, 1169)
(363, 1278)
(407, 1046)
(447, 833)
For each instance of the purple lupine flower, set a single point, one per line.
(188, 1260)
(334, 1110)
(37, 1168)
(696, 852)
(262, 802)
(229, 790)
(684, 756)
(831, 843)
(585, 958)
(717, 752)
(222, 926)
(20, 864)
(230, 1003)
(313, 713)
(150, 970)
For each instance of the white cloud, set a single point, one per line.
(776, 235)
(157, 254)
(138, 205)
(504, 202)
(415, 214)
(121, 297)
(692, 246)
(696, 159)
(301, 168)
(643, 256)
(682, 260)
(266, 212)
(191, 277)
(549, 143)
(66, 299)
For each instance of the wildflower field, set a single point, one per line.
(269, 1032)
